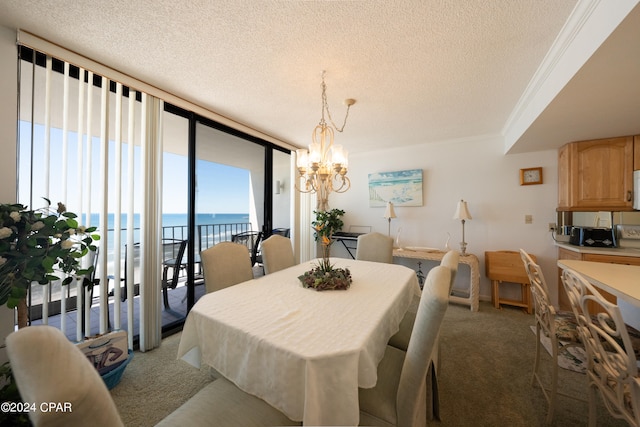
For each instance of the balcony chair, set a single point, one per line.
(281, 231)
(174, 260)
(277, 254)
(401, 395)
(558, 326)
(225, 264)
(375, 247)
(611, 359)
(250, 239)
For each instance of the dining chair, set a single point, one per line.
(401, 338)
(173, 251)
(225, 264)
(375, 247)
(277, 254)
(611, 360)
(400, 397)
(50, 369)
(558, 326)
(47, 367)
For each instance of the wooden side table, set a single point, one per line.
(507, 266)
(473, 299)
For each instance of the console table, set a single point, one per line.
(473, 300)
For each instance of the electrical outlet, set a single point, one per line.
(552, 227)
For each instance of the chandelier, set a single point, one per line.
(323, 168)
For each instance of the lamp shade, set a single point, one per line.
(389, 212)
(462, 212)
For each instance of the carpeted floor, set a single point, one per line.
(485, 377)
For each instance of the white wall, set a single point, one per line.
(8, 116)
(476, 171)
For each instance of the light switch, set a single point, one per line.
(528, 219)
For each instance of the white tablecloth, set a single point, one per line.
(304, 352)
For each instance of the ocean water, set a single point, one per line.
(211, 228)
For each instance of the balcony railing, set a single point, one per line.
(207, 235)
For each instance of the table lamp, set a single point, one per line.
(462, 213)
(388, 214)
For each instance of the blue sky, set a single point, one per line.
(221, 188)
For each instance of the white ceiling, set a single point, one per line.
(421, 70)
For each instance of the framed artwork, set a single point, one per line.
(402, 188)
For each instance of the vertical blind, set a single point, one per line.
(95, 145)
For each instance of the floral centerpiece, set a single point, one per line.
(324, 276)
(37, 246)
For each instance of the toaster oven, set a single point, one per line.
(592, 236)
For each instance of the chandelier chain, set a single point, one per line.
(325, 106)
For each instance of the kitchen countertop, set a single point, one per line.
(624, 251)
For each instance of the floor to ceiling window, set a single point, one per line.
(104, 149)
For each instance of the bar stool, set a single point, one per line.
(507, 266)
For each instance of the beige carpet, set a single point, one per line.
(154, 384)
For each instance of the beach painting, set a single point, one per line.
(402, 188)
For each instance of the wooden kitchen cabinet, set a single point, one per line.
(596, 175)
(563, 300)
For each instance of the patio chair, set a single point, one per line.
(250, 239)
(281, 231)
(173, 251)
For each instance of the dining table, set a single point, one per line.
(621, 280)
(305, 352)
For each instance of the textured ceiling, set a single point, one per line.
(421, 70)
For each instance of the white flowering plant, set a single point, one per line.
(40, 246)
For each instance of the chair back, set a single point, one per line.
(434, 301)
(545, 312)
(277, 254)
(173, 252)
(225, 264)
(47, 367)
(611, 360)
(451, 260)
(375, 247)
(250, 239)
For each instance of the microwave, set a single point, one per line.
(592, 236)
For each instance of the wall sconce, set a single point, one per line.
(279, 186)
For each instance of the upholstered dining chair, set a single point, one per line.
(400, 396)
(277, 254)
(48, 368)
(375, 247)
(558, 326)
(611, 360)
(225, 264)
(401, 338)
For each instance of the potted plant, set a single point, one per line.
(324, 276)
(39, 246)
